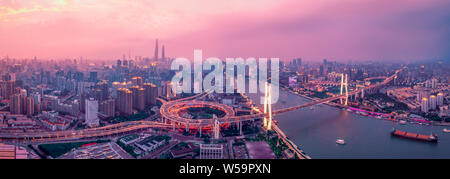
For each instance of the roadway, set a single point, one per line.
(109, 130)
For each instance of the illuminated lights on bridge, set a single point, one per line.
(344, 84)
(268, 107)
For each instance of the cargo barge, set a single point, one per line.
(413, 136)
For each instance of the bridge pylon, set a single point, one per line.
(268, 107)
(216, 128)
(344, 84)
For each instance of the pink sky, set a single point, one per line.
(313, 30)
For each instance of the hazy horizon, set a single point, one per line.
(370, 30)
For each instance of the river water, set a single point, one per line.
(315, 131)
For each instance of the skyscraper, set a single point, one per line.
(91, 112)
(156, 50)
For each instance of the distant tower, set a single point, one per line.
(163, 54)
(156, 49)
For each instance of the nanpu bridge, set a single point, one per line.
(174, 121)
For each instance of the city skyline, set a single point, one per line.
(339, 31)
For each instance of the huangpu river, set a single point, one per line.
(315, 131)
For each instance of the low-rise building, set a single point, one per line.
(12, 152)
(108, 150)
(150, 143)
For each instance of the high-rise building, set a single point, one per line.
(83, 97)
(37, 102)
(424, 105)
(7, 89)
(119, 63)
(434, 83)
(440, 99)
(124, 102)
(156, 49)
(29, 106)
(321, 69)
(433, 102)
(428, 84)
(102, 88)
(15, 104)
(93, 76)
(78, 76)
(151, 93)
(167, 90)
(91, 118)
(130, 63)
(419, 96)
(138, 97)
(107, 107)
(422, 94)
(23, 100)
(137, 81)
(9, 77)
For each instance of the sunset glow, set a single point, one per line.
(340, 30)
